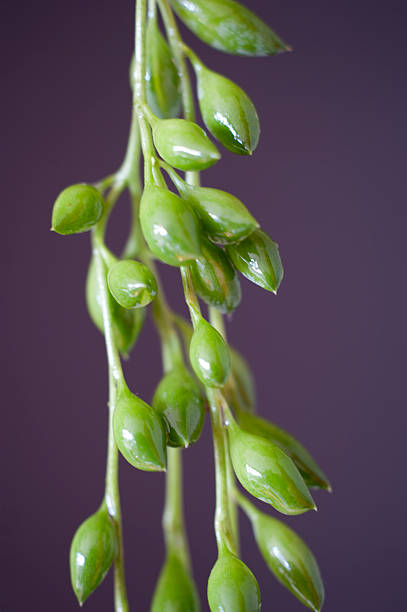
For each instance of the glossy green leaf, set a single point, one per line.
(170, 226)
(232, 587)
(215, 279)
(224, 217)
(175, 590)
(309, 470)
(258, 259)
(209, 355)
(289, 558)
(266, 472)
(162, 80)
(131, 284)
(77, 209)
(229, 26)
(139, 433)
(184, 144)
(227, 111)
(92, 553)
(179, 401)
(127, 324)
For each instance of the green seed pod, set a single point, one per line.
(239, 389)
(170, 226)
(215, 279)
(209, 355)
(131, 284)
(139, 433)
(266, 472)
(232, 587)
(289, 558)
(308, 468)
(175, 590)
(162, 80)
(224, 218)
(77, 209)
(229, 26)
(92, 553)
(258, 259)
(227, 111)
(183, 144)
(127, 324)
(179, 401)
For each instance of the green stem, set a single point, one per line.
(116, 380)
(216, 319)
(249, 508)
(223, 528)
(151, 170)
(173, 517)
(112, 498)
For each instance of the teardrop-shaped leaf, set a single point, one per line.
(288, 557)
(239, 389)
(232, 587)
(170, 226)
(266, 472)
(229, 26)
(92, 553)
(184, 144)
(179, 401)
(162, 80)
(127, 324)
(227, 111)
(175, 590)
(209, 355)
(258, 259)
(215, 279)
(139, 433)
(309, 470)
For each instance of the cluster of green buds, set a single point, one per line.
(211, 236)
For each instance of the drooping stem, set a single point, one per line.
(225, 525)
(116, 379)
(112, 498)
(216, 319)
(173, 517)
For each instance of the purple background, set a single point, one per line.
(328, 352)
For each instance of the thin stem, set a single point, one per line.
(190, 295)
(173, 517)
(116, 379)
(223, 529)
(112, 498)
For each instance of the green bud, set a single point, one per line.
(170, 226)
(308, 468)
(266, 472)
(162, 80)
(183, 144)
(92, 553)
(131, 284)
(232, 587)
(227, 111)
(139, 433)
(209, 355)
(224, 218)
(179, 401)
(239, 389)
(289, 558)
(229, 26)
(215, 279)
(77, 209)
(258, 259)
(127, 324)
(175, 590)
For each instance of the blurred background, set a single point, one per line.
(327, 182)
